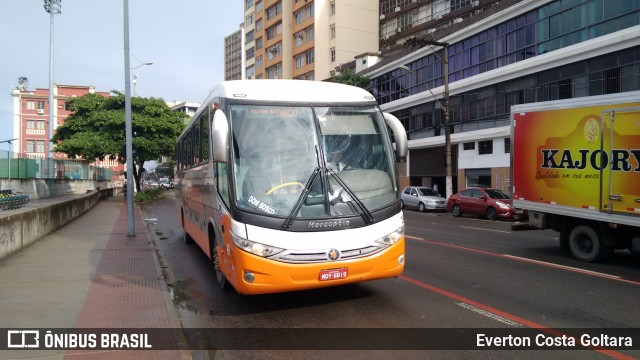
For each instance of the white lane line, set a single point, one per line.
(475, 228)
(489, 314)
(570, 268)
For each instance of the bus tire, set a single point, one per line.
(586, 244)
(221, 278)
(187, 238)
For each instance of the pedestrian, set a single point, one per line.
(435, 188)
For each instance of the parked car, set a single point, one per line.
(492, 203)
(422, 198)
(165, 183)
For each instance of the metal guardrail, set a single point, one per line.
(21, 166)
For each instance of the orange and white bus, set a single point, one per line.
(291, 184)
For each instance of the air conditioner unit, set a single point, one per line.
(382, 17)
(398, 9)
(431, 31)
(439, 16)
(457, 20)
(40, 111)
(398, 30)
(475, 3)
(386, 37)
(414, 1)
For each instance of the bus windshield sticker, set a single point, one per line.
(262, 206)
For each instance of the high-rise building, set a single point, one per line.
(306, 39)
(234, 55)
(500, 53)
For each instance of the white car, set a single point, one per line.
(165, 183)
(422, 198)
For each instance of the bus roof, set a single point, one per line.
(280, 90)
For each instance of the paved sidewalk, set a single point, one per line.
(88, 274)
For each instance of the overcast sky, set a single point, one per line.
(184, 40)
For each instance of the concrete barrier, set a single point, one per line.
(22, 227)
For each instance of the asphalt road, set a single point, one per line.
(464, 273)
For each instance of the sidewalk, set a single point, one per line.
(88, 274)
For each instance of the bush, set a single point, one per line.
(150, 195)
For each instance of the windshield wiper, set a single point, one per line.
(366, 214)
(301, 198)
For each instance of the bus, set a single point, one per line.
(289, 185)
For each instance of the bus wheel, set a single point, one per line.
(586, 245)
(221, 279)
(187, 238)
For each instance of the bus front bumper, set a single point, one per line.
(269, 276)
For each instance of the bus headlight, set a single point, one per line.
(255, 248)
(392, 238)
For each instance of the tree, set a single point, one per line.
(96, 129)
(349, 77)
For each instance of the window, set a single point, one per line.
(31, 124)
(310, 56)
(469, 146)
(250, 53)
(40, 105)
(250, 71)
(507, 145)
(248, 4)
(299, 38)
(274, 31)
(259, 43)
(298, 16)
(258, 63)
(31, 105)
(259, 6)
(249, 37)
(332, 31)
(259, 25)
(40, 146)
(332, 8)
(299, 61)
(310, 33)
(31, 146)
(248, 20)
(485, 147)
(333, 54)
(309, 10)
(273, 51)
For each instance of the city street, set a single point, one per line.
(460, 273)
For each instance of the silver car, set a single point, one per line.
(422, 198)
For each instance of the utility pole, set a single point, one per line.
(131, 229)
(53, 8)
(445, 108)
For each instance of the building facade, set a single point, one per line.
(306, 39)
(499, 54)
(234, 61)
(31, 120)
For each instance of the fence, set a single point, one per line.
(21, 166)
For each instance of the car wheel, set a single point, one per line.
(586, 245)
(421, 207)
(401, 204)
(456, 211)
(491, 213)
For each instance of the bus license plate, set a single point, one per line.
(333, 274)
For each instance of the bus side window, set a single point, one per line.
(222, 182)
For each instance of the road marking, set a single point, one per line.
(570, 268)
(475, 228)
(506, 315)
(488, 314)
(531, 261)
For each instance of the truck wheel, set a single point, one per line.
(456, 211)
(421, 207)
(491, 213)
(586, 244)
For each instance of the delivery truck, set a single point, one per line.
(575, 167)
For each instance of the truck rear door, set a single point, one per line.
(621, 178)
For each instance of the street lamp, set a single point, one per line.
(53, 8)
(135, 76)
(447, 130)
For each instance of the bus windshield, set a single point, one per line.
(311, 162)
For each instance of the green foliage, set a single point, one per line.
(96, 129)
(150, 195)
(349, 77)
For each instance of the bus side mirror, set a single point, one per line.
(220, 137)
(399, 134)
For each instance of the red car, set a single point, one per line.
(492, 203)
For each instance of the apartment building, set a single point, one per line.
(306, 39)
(234, 68)
(500, 53)
(31, 120)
